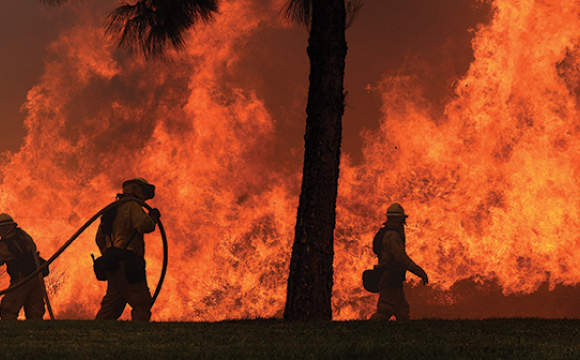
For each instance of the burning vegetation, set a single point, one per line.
(490, 181)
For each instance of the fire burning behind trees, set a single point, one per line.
(490, 182)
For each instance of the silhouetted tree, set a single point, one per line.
(150, 27)
(310, 281)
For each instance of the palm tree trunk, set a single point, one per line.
(310, 281)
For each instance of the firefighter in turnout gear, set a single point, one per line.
(18, 252)
(120, 239)
(389, 245)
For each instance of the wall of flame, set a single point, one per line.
(490, 182)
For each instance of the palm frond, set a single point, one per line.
(152, 26)
(299, 11)
(352, 9)
(53, 2)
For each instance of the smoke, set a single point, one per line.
(463, 111)
(489, 179)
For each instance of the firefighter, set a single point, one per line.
(120, 238)
(18, 252)
(389, 245)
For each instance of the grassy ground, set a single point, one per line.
(274, 339)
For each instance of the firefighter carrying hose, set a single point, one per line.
(120, 241)
(18, 252)
(389, 246)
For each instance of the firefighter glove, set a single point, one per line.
(424, 277)
(155, 215)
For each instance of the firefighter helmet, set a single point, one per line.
(148, 189)
(396, 210)
(6, 219)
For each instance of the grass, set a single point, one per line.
(275, 339)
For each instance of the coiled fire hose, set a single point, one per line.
(79, 232)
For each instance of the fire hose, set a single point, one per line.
(79, 232)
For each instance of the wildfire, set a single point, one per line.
(490, 185)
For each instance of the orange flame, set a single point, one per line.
(490, 186)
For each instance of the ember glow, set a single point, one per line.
(490, 181)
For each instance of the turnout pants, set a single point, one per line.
(120, 293)
(392, 301)
(29, 296)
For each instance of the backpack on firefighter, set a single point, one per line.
(395, 271)
(109, 261)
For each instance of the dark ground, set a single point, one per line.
(514, 338)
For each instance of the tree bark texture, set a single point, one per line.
(310, 281)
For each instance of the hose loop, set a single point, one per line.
(82, 229)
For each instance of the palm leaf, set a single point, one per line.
(300, 11)
(152, 26)
(53, 2)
